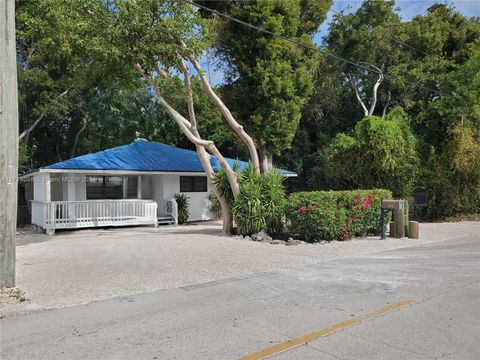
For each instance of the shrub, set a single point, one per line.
(453, 175)
(335, 215)
(273, 200)
(215, 208)
(260, 204)
(380, 152)
(183, 212)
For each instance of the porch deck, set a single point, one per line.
(94, 213)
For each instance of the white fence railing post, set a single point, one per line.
(93, 213)
(175, 211)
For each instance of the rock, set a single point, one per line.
(275, 242)
(11, 296)
(291, 242)
(247, 237)
(261, 236)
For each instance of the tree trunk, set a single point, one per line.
(8, 143)
(204, 156)
(186, 128)
(237, 128)
(375, 90)
(266, 161)
(77, 136)
(25, 134)
(387, 104)
(227, 218)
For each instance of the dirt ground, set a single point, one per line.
(78, 267)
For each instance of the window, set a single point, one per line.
(94, 187)
(132, 183)
(193, 184)
(104, 187)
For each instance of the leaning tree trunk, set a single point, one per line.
(227, 115)
(8, 143)
(204, 156)
(266, 161)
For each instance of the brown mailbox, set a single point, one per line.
(393, 204)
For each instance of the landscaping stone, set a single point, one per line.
(292, 241)
(261, 236)
(274, 242)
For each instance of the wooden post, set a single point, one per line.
(406, 218)
(413, 234)
(8, 143)
(399, 219)
(391, 229)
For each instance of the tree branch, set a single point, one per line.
(157, 90)
(354, 87)
(205, 158)
(42, 115)
(375, 89)
(237, 128)
(187, 130)
(387, 104)
(188, 89)
(77, 136)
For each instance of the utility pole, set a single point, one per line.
(8, 143)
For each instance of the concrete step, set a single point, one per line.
(165, 220)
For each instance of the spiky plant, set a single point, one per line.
(182, 203)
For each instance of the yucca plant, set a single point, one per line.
(260, 205)
(183, 212)
(248, 209)
(261, 202)
(273, 200)
(221, 182)
(215, 207)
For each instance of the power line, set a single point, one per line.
(395, 40)
(309, 47)
(406, 44)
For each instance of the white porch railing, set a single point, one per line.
(92, 213)
(171, 208)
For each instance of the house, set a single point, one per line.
(127, 185)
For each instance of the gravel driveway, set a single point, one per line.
(79, 267)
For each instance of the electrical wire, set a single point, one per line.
(309, 47)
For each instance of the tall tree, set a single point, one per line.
(58, 73)
(8, 143)
(268, 78)
(368, 39)
(160, 39)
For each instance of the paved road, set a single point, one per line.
(237, 317)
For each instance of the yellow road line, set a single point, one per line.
(292, 343)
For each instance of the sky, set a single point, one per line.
(407, 10)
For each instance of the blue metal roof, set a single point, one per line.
(143, 155)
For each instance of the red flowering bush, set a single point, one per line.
(335, 215)
(302, 209)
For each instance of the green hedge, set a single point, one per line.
(335, 215)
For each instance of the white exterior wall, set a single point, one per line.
(158, 187)
(70, 187)
(80, 191)
(41, 187)
(147, 187)
(157, 192)
(56, 187)
(198, 201)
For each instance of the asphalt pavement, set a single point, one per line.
(419, 302)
